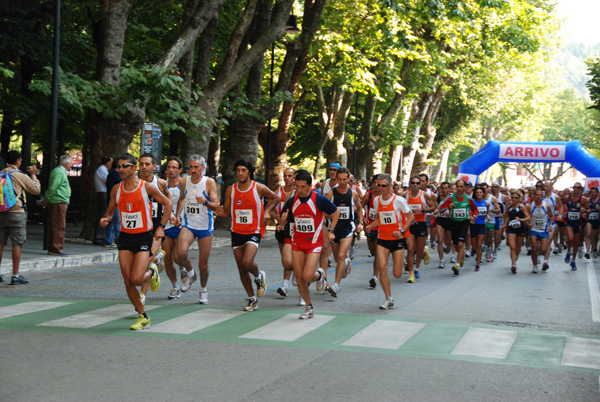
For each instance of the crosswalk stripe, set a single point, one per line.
(482, 342)
(385, 334)
(196, 321)
(28, 307)
(288, 328)
(96, 317)
(581, 352)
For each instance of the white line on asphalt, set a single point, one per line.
(28, 307)
(482, 342)
(594, 294)
(581, 352)
(196, 321)
(385, 334)
(96, 317)
(288, 328)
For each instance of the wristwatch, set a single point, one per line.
(402, 231)
(332, 230)
(160, 224)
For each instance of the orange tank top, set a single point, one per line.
(390, 220)
(246, 210)
(416, 204)
(135, 209)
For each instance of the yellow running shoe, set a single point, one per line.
(261, 284)
(426, 256)
(142, 323)
(155, 278)
(411, 279)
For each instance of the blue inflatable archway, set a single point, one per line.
(572, 152)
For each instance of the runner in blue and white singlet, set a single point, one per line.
(542, 218)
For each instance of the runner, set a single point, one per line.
(325, 258)
(198, 201)
(477, 227)
(575, 204)
(243, 202)
(132, 198)
(420, 203)
(502, 200)
(593, 224)
(542, 219)
(515, 218)
(442, 225)
(305, 210)
(284, 237)
(461, 209)
(490, 223)
(174, 168)
(394, 218)
(371, 234)
(344, 198)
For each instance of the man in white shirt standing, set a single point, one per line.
(101, 198)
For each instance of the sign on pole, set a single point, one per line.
(152, 142)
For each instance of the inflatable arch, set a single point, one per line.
(572, 152)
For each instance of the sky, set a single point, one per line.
(581, 24)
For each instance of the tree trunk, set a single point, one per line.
(369, 144)
(420, 164)
(8, 125)
(334, 148)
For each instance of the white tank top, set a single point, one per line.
(175, 192)
(196, 216)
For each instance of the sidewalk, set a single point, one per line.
(80, 252)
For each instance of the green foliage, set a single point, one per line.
(593, 84)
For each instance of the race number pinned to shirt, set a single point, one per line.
(193, 208)
(243, 216)
(593, 216)
(573, 215)
(154, 209)
(372, 214)
(481, 211)
(459, 213)
(539, 224)
(344, 212)
(132, 220)
(304, 225)
(387, 217)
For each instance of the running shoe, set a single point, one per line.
(155, 278)
(294, 280)
(476, 267)
(452, 259)
(18, 280)
(568, 258)
(261, 284)
(545, 266)
(595, 254)
(301, 301)
(186, 283)
(347, 268)
(252, 304)
(203, 298)
(373, 282)
(426, 256)
(333, 290)
(555, 251)
(456, 269)
(467, 254)
(141, 323)
(488, 256)
(500, 247)
(513, 269)
(495, 255)
(587, 256)
(528, 250)
(183, 273)
(560, 247)
(573, 266)
(417, 274)
(351, 252)
(411, 279)
(309, 313)
(580, 253)
(329, 262)
(442, 264)
(535, 269)
(321, 282)
(160, 260)
(447, 249)
(1, 279)
(282, 290)
(387, 304)
(175, 294)
(143, 299)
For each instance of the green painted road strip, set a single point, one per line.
(327, 331)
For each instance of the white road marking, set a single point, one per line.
(196, 321)
(482, 342)
(594, 294)
(385, 334)
(582, 352)
(288, 328)
(28, 307)
(96, 317)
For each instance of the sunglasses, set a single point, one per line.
(415, 182)
(124, 166)
(495, 187)
(382, 185)
(515, 198)
(577, 187)
(333, 170)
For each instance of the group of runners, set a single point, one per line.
(161, 219)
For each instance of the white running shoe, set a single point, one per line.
(321, 284)
(452, 259)
(301, 301)
(282, 290)
(442, 264)
(347, 268)
(387, 304)
(309, 312)
(203, 299)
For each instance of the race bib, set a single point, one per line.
(292, 230)
(132, 220)
(344, 212)
(481, 211)
(154, 209)
(243, 216)
(304, 225)
(514, 223)
(387, 217)
(414, 207)
(459, 213)
(593, 216)
(540, 224)
(193, 208)
(573, 216)
(372, 214)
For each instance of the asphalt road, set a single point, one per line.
(481, 336)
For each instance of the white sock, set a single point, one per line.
(176, 285)
(286, 282)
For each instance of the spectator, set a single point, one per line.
(13, 223)
(101, 203)
(57, 200)
(114, 226)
